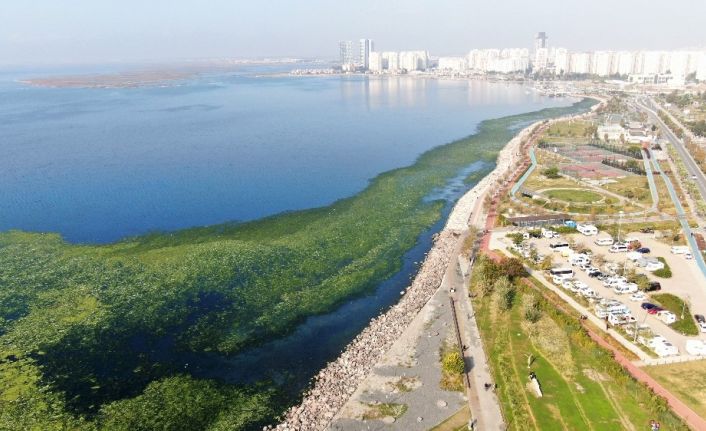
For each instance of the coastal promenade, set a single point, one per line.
(439, 274)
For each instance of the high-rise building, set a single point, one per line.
(391, 61)
(701, 67)
(624, 63)
(580, 62)
(602, 63)
(375, 62)
(541, 41)
(365, 48)
(347, 55)
(455, 64)
(540, 61)
(561, 61)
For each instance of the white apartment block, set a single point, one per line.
(602, 63)
(376, 63)
(561, 61)
(580, 62)
(455, 64)
(391, 61)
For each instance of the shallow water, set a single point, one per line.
(100, 164)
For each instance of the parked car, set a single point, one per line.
(700, 321)
(643, 250)
(638, 296)
(647, 306)
(655, 310)
(688, 255)
(653, 285)
(647, 230)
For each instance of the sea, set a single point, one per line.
(100, 164)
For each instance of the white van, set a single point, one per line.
(679, 249)
(604, 241)
(618, 248)
(667, 317)
(579, 259)
(587, 229)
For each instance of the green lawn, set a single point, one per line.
(584, 388)
(574, 195)
(676, 305)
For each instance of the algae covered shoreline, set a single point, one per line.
(88, 332)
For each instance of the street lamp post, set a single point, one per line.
(620, 223)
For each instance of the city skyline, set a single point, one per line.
(88, 32)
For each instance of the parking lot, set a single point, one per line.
(686, 281)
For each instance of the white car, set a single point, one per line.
(688, 255)
(638, 296)
(666, 349)
(567, 284)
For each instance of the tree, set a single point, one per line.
(513, 268)
(551, 172)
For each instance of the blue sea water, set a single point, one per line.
(97, 165)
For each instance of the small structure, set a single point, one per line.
(539, 220)
(535, 384)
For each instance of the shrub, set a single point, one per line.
(533, 309)
(513, 268)
(452, 363)
(505, 292)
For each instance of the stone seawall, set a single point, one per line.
(335, 384)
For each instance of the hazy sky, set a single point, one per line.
(95, 31)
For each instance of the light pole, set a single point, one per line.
(620, 223)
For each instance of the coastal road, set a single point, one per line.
(650, 108)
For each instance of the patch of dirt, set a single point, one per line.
(595, 375)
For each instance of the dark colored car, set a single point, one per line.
(647, 230)
(643, 250)
(653, 285)
(647, 306)
(594, 273)
(699, 318)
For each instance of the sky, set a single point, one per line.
(106, 31)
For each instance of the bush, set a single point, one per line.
(505, 292)
(533, 309)
(452, 363)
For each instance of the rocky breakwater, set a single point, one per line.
(337, 382)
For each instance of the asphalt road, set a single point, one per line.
(691, 166)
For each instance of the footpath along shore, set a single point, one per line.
(333, 386)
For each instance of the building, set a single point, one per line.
(375, 63)
(346, 53)
(541, 59)
(455, 64)
(391, 61)
(624, 63)
(580, 63)
(610, 132)
(561, 61)
(365, 47)
(413, 60)
(701, 68)
(539, 220)
(541, 41)
(602, 63)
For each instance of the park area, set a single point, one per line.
(582, 387)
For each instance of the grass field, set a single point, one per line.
(675, 304)
(583, 388)
(633, 187)
(686, 380)
(457, 422)
(574, 195)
